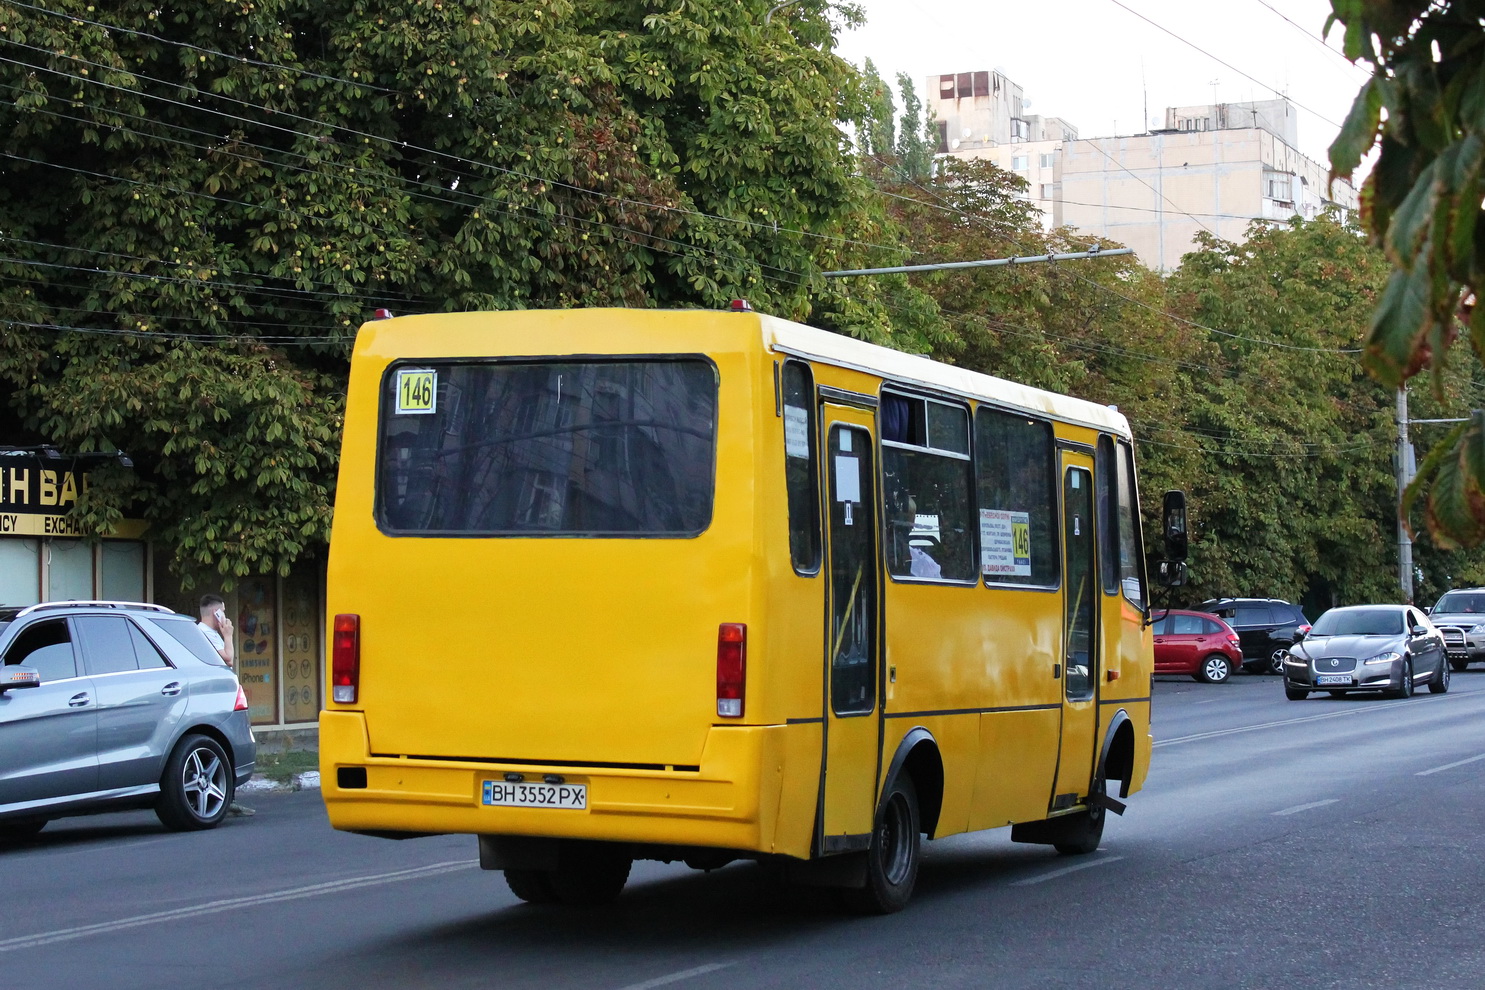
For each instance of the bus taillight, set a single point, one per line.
(732, 668)
(345, 659)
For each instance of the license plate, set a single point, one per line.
(525, 794)
(1333, 679)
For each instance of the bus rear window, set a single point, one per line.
(580, 448)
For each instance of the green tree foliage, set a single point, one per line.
(875, 130)
(215, 197)
(915, 140)
(1424, 110)
(1234, 372)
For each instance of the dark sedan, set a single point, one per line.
(1386, 648)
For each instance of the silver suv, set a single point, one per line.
(106, 706)
(1460, 616)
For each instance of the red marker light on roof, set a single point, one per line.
(382, 314)
(741, 306)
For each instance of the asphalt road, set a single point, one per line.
(1328, 843)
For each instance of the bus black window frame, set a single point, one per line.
(1051, 496)
(1131, 537)
(384, 407)
(905, 455)
(803, 501)
(1105, 507)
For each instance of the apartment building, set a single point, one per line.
(982, 115)
(1211, 167)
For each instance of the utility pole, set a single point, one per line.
(1404, 475)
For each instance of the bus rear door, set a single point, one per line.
(1080, 659)
(852, 634)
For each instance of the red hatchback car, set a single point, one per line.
(1198, 644)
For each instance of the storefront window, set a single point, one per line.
(301, 639)
(123, 571)
(20, 572)
(257, 647)
(70, 571)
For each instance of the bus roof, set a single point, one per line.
(912, 369)
(409, 336)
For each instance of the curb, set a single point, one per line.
(308, 781)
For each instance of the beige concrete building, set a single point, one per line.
(983, 115)
(1210, 172)
(1212, 167)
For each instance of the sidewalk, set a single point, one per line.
(295, 770)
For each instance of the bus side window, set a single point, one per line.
(801, 466)
(1108, 536)
(1016, 467)
(1131, 557)
(927, 488)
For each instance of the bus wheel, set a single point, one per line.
(531, 886)
(893, 856)
(1084, 829)
(590, 873)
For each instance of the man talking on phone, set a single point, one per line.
(218, 629)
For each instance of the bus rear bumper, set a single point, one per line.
(731, 801)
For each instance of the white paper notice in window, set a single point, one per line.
(796, 432)
(1005, 543)
(848, 479)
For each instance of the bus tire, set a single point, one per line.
(590, 874)
(531, 886)
(1084, 829)
(893, 856)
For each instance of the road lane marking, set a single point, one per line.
(1043, 878)
(1215, 733)
(1306, 807)
(1450, 766)
(232, 904)
(685, 974)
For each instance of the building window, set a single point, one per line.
(1047, 160)
(966, 84)
(1018, 162)
(943, 137)
(1018, 129)
(982, 84)
(1049, 190)
(946, 87)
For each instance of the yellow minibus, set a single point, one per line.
(618, 584)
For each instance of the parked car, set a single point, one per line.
(1460, 616)
(1196, 643)
(1387, 648)
(108, 705)
(1266, 627)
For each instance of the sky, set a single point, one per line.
(1097, 64)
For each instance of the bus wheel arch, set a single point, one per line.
(1116, 762)
(918, 757)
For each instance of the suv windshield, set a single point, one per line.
(1460, 601)
(1364, 622)
(573, 448)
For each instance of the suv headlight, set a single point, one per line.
(1477, 630)
(1387, 657)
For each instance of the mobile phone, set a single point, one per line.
(221, 616)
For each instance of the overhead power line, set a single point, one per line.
(1224, 63)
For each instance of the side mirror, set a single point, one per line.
(1172, 573)
(1175, 526)
(1299, 635)
(1428, 610)
(17, 676)
(1420, 630)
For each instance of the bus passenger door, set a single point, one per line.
(848, 804)
(1080, 639)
